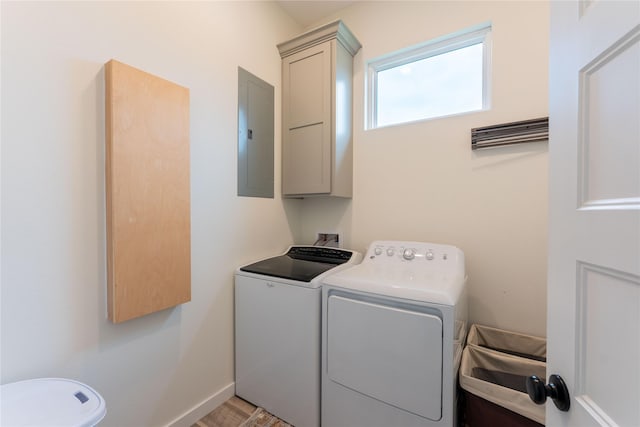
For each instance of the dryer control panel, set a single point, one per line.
(436, 255)
(418, 271)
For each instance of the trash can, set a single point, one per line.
(493, 372)
(51, 402)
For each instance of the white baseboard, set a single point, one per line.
(203, 408)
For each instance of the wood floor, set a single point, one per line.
(236, 412)
(231, 413)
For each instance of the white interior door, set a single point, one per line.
(594, 224)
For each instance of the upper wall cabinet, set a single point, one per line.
(317, 82)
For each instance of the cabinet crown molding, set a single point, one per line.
(334, 30)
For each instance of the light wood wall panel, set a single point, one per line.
(148, 197)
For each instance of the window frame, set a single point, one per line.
(478, 34)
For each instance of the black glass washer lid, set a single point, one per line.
(301, 263)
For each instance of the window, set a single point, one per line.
(445, 76)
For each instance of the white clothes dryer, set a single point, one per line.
(392, 335)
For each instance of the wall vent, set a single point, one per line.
(510, 133)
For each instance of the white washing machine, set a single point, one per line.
(393, 329)
(277, 330)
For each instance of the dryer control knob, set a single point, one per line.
(390, 251)
(429, 256)
(409, 254)
(377, 251)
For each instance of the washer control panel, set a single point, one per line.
(389, 251)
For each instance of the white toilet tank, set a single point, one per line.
(52, 402)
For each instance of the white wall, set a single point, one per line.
(422, 181)
(153, 369)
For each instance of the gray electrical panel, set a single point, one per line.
(255, 136)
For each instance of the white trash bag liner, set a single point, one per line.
(528, 346)
(500, 378)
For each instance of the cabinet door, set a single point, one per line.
(306, 151)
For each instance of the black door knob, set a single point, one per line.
(556, 389)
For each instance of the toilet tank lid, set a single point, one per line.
(50, 401)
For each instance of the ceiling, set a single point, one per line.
(309, 12)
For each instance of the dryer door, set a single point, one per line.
(388, 353)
